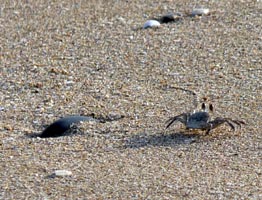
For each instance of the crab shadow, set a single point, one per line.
(161, 139)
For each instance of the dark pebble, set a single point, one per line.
(171, 17)
(59, 127)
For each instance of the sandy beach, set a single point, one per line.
(61, 58)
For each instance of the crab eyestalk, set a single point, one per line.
(203, 106)
(211, 108)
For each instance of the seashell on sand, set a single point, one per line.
(200, 11)
(62, 172)
(151, 23)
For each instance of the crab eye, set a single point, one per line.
(211, 108)
(203, 106)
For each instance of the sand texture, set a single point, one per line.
(60, 58)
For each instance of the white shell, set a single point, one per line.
(200, 11)
(62, 172)
(151, 23)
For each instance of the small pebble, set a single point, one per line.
(62, 172)
(8, 127)
(170, 17)
(59, 127)
(151, 23)
(69, 83)
(200, 11)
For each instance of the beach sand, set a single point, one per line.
(60, 58)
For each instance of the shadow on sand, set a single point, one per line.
(161, 139)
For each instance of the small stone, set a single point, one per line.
(8, 127)
(200, 11)
(151, 23)
(170, 17)
(69, 83)
(62, 172)
(122, 20)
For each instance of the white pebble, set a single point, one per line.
(200, 11)
(151, 23)
(69, 83)
(62, 172)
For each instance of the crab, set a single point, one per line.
(202, 120)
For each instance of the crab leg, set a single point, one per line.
(181, 118)
(238, 122)
(219, 121)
